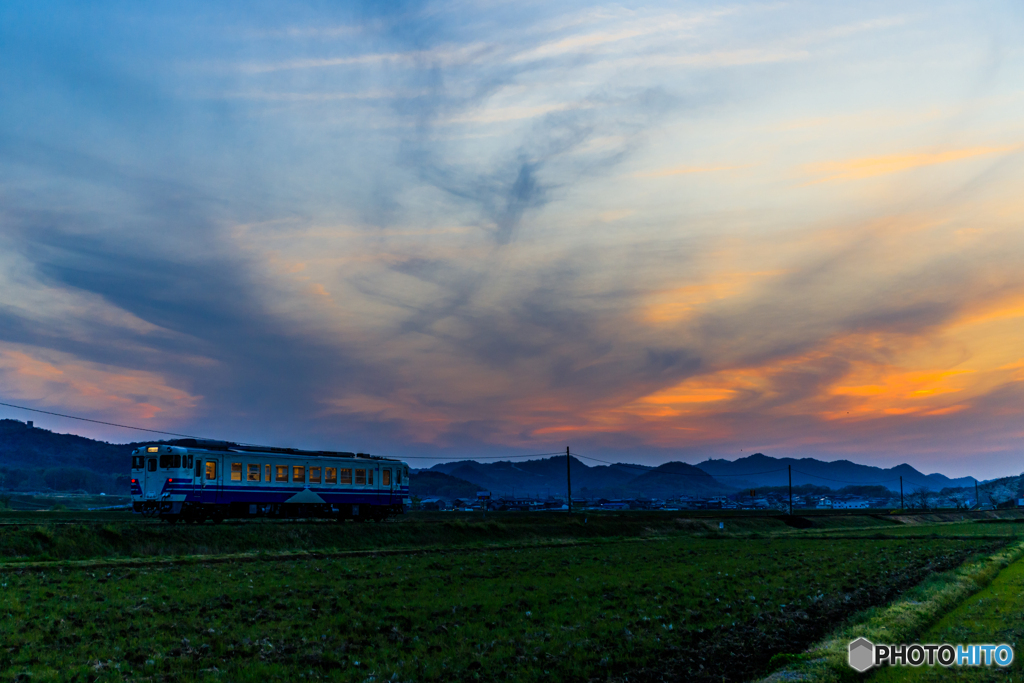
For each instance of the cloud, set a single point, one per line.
(432, 229)
(687, 170)
(554, 146)
(57, 380)
(869, 167)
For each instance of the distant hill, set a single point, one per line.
(672, 479)
(548, 477)
(427, 484)
(27, 447)
(33, 459)
(762, 470)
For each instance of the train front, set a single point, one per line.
(161, 477)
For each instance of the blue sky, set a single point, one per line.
(649, 231)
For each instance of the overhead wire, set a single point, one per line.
(101, 422)
(191, 436)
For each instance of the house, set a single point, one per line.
(850, 504)
(433, 504)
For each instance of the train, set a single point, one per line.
(197, 480)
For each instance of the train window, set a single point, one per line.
(369, 477)
(254, 473)
(331, 475)
(165, 461)
(236, 471)
(345, 476)
(189, 465)
(360, 477)
(138, 462)
(385, 477)
(299, 473)
(211, 469)
(199, 468)
(281, 473)
(177, 459)
(151, 465)
(314, 475)
(268, 473)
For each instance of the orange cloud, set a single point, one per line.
(886, 376)
(56, 379)
(675, 305)
(875, 390)
(868, 167)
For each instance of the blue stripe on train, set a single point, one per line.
(279, 494)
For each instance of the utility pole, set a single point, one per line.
(790, 468)
(901, 493)
(568, 477)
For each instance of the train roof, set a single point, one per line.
(230, 447)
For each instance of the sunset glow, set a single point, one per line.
(652, 231)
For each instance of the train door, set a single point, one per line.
(197, 480)
(387, 485)
(392, 489)
(378, 486)
(152, 482)
(210, 481)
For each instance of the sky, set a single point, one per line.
(441, 230)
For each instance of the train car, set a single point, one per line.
(196, 480)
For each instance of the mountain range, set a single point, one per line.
(31, 457)
(760, 470)
(548, 477)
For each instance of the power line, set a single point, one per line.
(190, 436)
(101, 422)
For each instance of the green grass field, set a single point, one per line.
(638, 597)
(994, 615)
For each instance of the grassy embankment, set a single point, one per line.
(518, 597)
(977, 602)
(993, 615)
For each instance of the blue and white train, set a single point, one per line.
(202, 480)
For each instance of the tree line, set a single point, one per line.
(63, 479)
